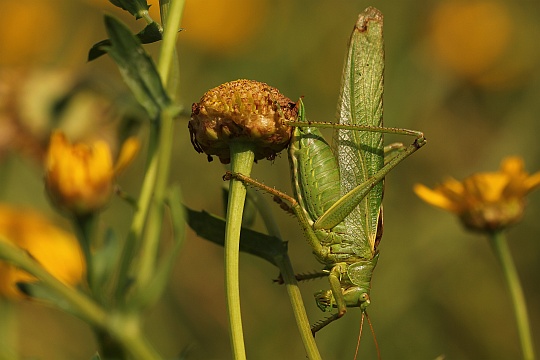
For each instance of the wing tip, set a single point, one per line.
(369, 14)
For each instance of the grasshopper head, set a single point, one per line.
(354, 296)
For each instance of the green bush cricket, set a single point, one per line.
(338, 190)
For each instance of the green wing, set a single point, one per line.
(361, 153)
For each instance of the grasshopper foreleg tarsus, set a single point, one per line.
(258, 185)
(283, 205)
(304, 276)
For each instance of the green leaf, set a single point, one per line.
(37, 290)
(104, 261)
(150, 34)
(134, 7)
(96, 357)
(212, 228)
(136, 67)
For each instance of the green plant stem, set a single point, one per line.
(289, 278)
(8, 330)
(302, 321)
(242, 157)
(124, 329)
(171, 18)
(150, 244)
(160, 146)
(499, 245)
(84, 225)
(134, 236)
(84, 306)
(172, 12)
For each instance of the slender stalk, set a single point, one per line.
(287, 273)
(8, 330)
(171, 21)
(242, 158)
(152, 233)
(134, 236)
(84, 306)
(172, 12)
(124, 330)
(84, 225)
(158, 154)
(299, 310)
(502, 251)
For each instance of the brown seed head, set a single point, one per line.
(242, 110)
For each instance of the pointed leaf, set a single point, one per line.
(134, 7)
(151, 33)
(136, 67)
(212, 228)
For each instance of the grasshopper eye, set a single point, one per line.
(364, 301)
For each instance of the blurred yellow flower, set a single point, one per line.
(80, 177)
(223, 26)
(55, 249)
(485, 201)
(31, 31)
(483, 41)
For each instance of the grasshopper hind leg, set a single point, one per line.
(322, 323)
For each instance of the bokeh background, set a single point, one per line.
(464, 72)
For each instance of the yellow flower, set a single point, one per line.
(461, 40)
(485, 201)
(223, 26)
(80, 177)
(55, 249)
(24, 44)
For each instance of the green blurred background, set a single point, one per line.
(466, 73)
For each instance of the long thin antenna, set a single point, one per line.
(374, 337)
(359, 336)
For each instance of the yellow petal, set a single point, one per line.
(57, 146)
(486, 187)
(55, 249)
(436, 198)
(453, 190)
(99, 167)
(512, 165)
(532, 182)
(130, 148)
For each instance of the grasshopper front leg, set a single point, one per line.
(305, 223)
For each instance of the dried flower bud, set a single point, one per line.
(242, 110)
